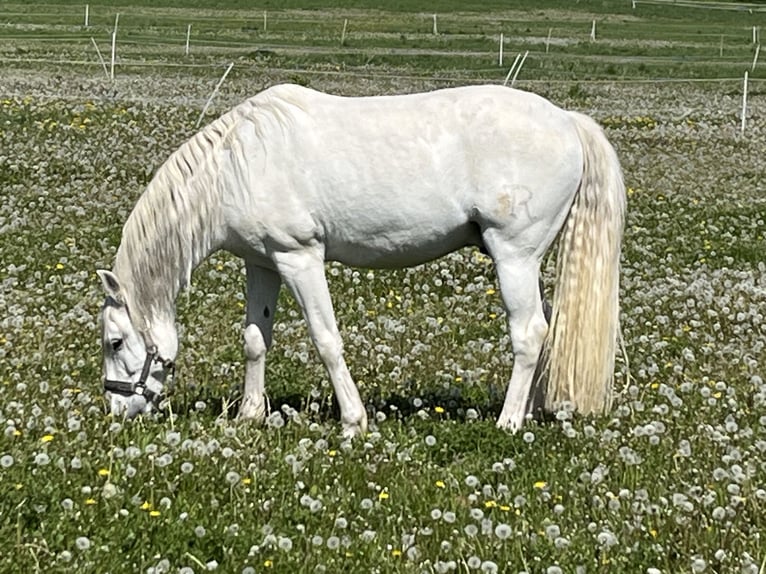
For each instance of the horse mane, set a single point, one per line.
(178, 220)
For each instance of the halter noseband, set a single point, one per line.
(139, 387)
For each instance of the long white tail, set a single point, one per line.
(581, 342)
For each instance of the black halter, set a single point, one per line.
(139, 387)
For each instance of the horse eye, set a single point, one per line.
(116, 344)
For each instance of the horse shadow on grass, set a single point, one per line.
(439, 403)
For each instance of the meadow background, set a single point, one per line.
(672, 480)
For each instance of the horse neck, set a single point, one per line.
(171, 230)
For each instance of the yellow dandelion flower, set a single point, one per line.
(146, 505)
(458, 379)
(439, 410)
(268, 563)
(332, 453)
(493, 315)
(154, 513)
(19, 486)
(103, 472)
(383, 495)
(396, 552)
(540, 484)
(439, 484)
(47, 438)
(247, 480)
(505, 507)
(653, 532)
(17, 432)
(90, 501)
(490, 504)
(59, 266)
(490, 291)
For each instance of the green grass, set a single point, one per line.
(672, 479)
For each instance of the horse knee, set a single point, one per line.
(329, 346)
(255, 345)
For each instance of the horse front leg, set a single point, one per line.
(303, 273)
(262, 292)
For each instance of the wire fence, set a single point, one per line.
(216, 49)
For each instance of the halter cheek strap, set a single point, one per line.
(139, 387)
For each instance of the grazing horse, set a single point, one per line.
(292, 178)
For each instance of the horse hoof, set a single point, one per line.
(509, 424)
(252, 413)
(355, 429)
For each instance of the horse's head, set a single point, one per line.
(135, 362)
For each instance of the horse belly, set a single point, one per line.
(399, 246)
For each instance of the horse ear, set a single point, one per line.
(111, 285)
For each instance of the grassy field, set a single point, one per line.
(672, 480)
(649, 42)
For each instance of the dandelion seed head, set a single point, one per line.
(82, 543)
(503, 531)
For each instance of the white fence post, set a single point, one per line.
(114, 44)
(215, 91)
(436, 28)
(500, 58)
(744, 106)
(87, 15)
(188, 37)
(100, 58)
(521, 63)
(513, 67)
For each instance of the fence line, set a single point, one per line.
(728, 6)
(411, 77)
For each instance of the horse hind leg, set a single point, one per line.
(518, 276)
(262, 292)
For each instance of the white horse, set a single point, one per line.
(292, 178)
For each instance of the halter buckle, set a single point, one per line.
(139, 387)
